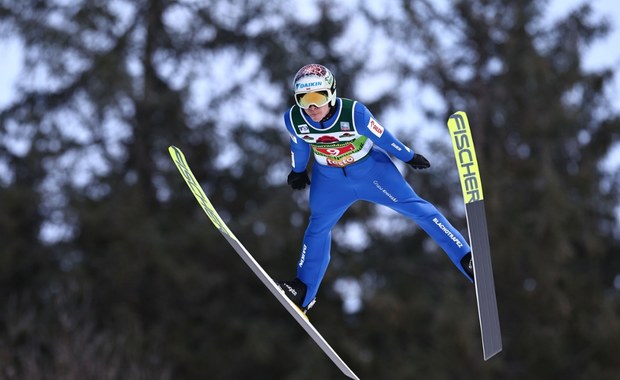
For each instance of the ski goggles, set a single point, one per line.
(317, 98)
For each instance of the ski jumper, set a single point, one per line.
(351, 163)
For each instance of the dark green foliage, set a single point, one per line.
(109, 269)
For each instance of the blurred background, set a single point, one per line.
(110, 270)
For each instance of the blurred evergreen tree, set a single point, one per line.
(542, 126)
(108, 258)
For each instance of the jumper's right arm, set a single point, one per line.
(300, 150)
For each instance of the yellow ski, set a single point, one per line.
(300, 317)
(471, 185)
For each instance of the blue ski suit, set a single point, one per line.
(351, 163)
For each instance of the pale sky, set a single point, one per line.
(604, 53)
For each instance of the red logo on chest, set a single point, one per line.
(326, 139)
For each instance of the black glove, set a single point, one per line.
(419, 162)
(298, 181)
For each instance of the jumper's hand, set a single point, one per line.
(298, 181)
(419, 162)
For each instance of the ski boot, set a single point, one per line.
(468, 265)
(295, 290)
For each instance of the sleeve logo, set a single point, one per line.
(375, 128)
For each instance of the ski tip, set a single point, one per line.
(458, 113)
(175, 152)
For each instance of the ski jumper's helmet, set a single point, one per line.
(314, 85)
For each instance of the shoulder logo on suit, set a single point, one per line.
(375, 128)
